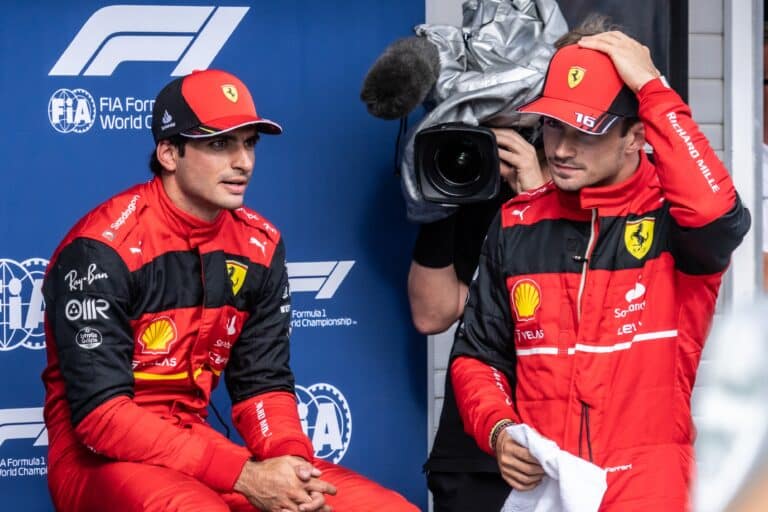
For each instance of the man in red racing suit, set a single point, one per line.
(597, 290)
(150, 298)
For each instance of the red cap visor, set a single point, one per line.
(583, 118)
(227, 124)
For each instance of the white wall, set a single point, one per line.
(439, 347)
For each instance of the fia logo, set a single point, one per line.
(326, 420)
(71, 111)
(22, 304)
(124, 33)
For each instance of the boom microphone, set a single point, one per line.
(401, 77)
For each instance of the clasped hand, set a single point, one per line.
(284, 484)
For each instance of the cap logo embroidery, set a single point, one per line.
(230, 92)
(575, 76)
(167, 121)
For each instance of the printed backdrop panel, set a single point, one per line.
(79, 84)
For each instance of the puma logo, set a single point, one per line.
(520, 213)
(260, 245)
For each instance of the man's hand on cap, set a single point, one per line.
(632, 59)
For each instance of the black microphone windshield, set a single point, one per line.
(401, 77)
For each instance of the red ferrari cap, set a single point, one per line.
(583, 89)
(204, 104)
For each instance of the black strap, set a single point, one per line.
(400, 132)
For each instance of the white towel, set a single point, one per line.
(571, 484)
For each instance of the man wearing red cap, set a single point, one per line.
(595, 292)
(150, 298)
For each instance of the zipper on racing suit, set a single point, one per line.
(585, 260)
(584, 428)
(584, 417)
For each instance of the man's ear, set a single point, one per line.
(167, 154)
(635, 137)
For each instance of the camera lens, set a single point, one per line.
(459, 164)
(456, 163)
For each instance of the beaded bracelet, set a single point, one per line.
(496, 432)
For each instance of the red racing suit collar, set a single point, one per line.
(618, 195)
(182, 223)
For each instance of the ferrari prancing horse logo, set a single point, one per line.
(236, 272)
(638, 236)
(575, 76)
(230, 92)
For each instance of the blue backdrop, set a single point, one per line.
(77, 79)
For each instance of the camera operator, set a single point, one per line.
(460, 475)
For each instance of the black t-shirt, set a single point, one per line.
(454, 450)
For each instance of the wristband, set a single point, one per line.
(496, 432)
(435, 243)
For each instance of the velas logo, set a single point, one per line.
(323, 277)
(192, 36)
(71, 110)
(326, 420)
(26, 423)
(21, 304)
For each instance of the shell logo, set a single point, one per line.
(158, 336)
(526, 299)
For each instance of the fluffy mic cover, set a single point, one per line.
(401, 77)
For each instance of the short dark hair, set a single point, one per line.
(627, 123)
(154, 164)
(592, 24)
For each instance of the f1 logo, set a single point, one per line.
(323, 277)
(105, 40)
(23, 424)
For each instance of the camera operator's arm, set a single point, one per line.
(435, 292)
